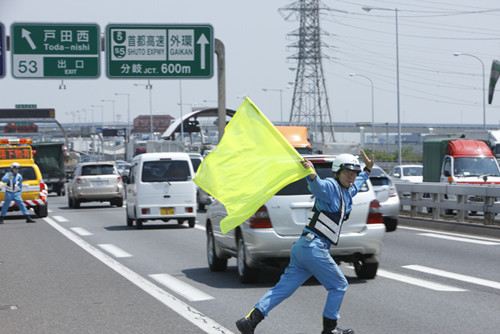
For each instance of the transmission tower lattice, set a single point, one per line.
(310, 105)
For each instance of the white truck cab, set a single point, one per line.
(160, 187)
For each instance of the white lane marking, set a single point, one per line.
(185, 310)
(418, 281)
(181, 287)
(115, 251)
(461, 239)
(60, 219)
(450, 233)
(81, 231)
(459, 277)
(200, 227)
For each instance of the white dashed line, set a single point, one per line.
(191, 314)
(180, 287)
(81, 231)
(60, 219)
(461, 239)
(418, 282)
(458, 277)
(115, 251)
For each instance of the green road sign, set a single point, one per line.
(159, 51)
(51, 51)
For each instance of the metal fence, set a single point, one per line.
(444, 201)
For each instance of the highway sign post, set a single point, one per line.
(159, 51)
(2, 51)
(55, 50)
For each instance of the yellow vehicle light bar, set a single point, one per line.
(5, 141)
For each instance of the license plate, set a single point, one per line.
(167, 211)
(99, 183)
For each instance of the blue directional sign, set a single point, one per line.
(2, 51)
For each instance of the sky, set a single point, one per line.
(435, 85)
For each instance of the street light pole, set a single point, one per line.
(128, 108)
(112, 101)
(149, 86)
(367, 9)
(373, 108)
(281, 99)
(484, 79)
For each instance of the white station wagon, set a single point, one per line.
(267, 237)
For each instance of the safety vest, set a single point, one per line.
(13, 183)
(328, 224)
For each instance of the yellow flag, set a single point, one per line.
(252, 162)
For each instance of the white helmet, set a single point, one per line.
(15, 165)
(346, 161)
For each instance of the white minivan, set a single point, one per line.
(160, 187)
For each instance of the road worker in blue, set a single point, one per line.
(13, 188)
(309, 255)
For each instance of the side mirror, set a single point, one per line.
(396, 175)
(447, 173)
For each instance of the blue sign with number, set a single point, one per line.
(2, 51)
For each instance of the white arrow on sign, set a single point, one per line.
(26, 34)
(202, 41)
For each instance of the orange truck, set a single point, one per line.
(297, 136)
(34, 193)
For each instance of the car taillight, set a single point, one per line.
(119, 178)
(374, 214)
(260, 219)
(78, 180)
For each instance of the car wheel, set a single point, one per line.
(180, 221)
(365, 270)
(245, 273)
(42, 211)
(191, 222)
(138, 224)
(214, 262)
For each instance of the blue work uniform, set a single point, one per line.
(311, 257)
(13, 189)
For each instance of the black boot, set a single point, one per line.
(330, 327)
(247, 324)
(1, 219)
(29, 220)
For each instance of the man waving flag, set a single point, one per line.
(252, 162)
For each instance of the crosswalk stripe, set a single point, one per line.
(458, 277)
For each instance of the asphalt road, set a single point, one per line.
(84, 271)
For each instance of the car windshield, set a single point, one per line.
(378, 177)
(165, 170)
(196, 163)
(412, 171)
(98, 170)
(323, 169)
(475, 166)
(28, 173)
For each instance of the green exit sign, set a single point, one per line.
(159, 51)
(55, 50)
